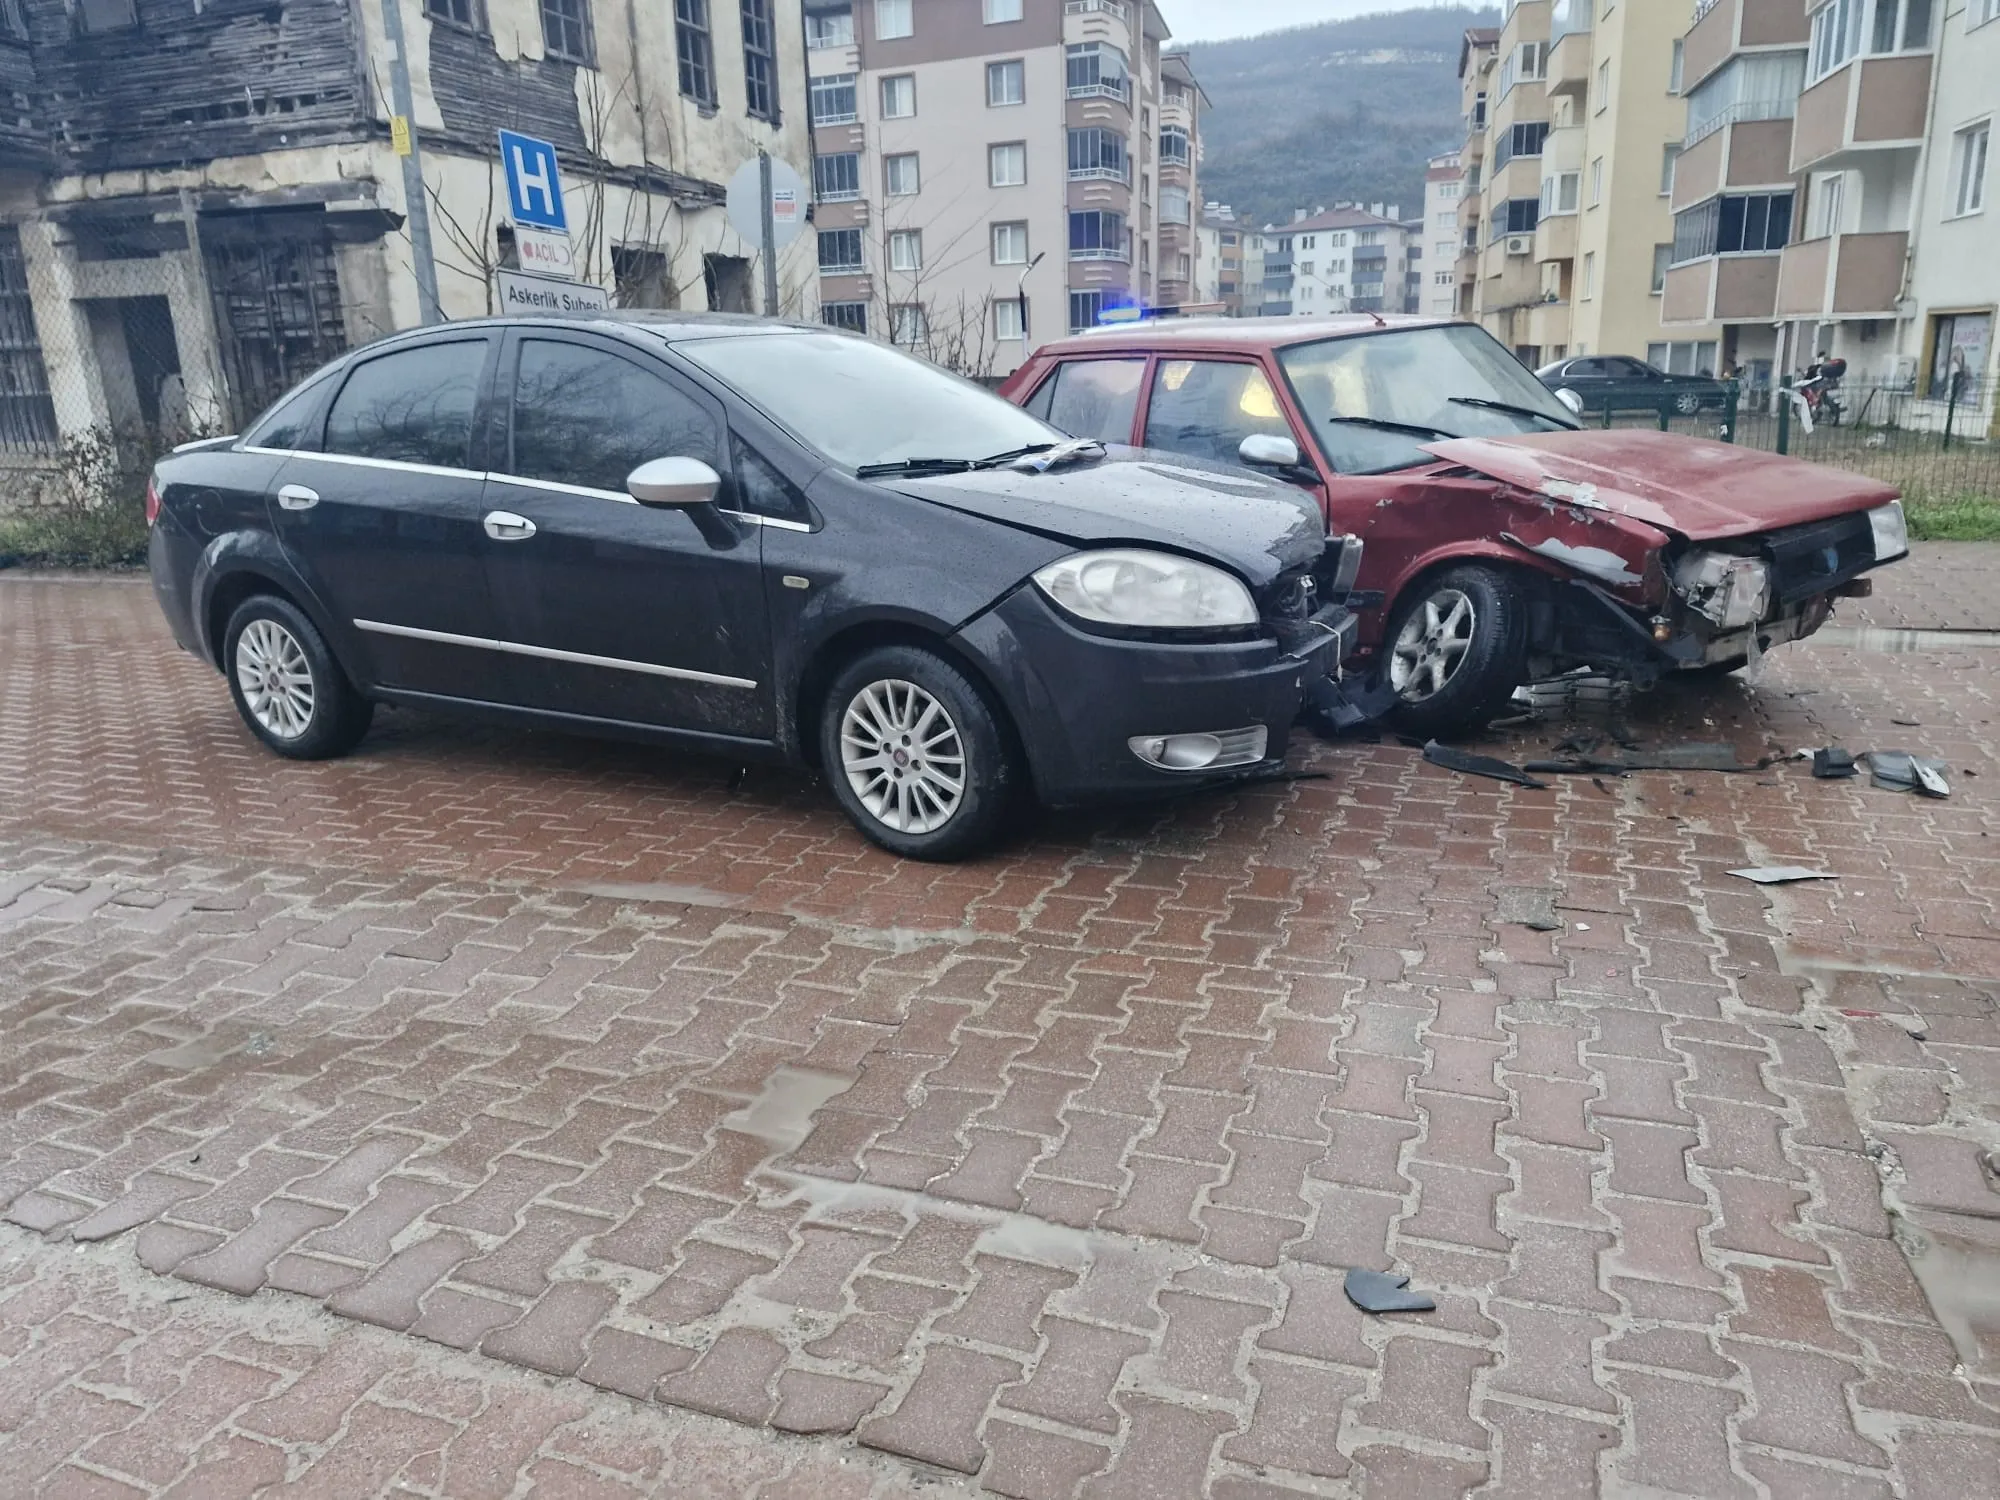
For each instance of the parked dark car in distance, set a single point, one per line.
(1505, 543)
(763, 540)
(1618, 383)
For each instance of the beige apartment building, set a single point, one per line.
(1444, 185)
(1834, 190)
(990, 174)
(1574, 120)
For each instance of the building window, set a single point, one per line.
(900, 178)
(1010, 244)
(566, 30)
(1525, 139)
(1669, 155)
(1901, 25)
(1959, 346)
(1745, 224)
(906, 249)
(1096, 152)
(837, 177)
(760, 61)
(1007, 165)
(14, 23)
(1097, 68)
(832, 99)
(1589, 276)
(1558, 195)
(1603, 87)
(460, 13)
(694, 51)
(1006, 83)
(1841, 27)
(1968, 167)
(1677, 67)
(1516, 216)
(1680, 359)
(27, 414)
(1825, 203)
(1443, 278)
(1989, 10)
(830, 28)
(899, 96)
(1096, 234)
(1174, 145)
(1597, 182)
(907, 324)
(1006, 318)
(95, 16)
(839, 251)
(853, 316)
(1175, 205)
(1663, 257)
(1085, 308)
(998, 12)
(893, 18)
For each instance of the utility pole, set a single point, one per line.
(770, 234)
(1021, 291)
(403, 133)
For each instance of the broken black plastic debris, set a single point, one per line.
(1900, 771)
(1479, 765)
(1833, 764)
(1379, 1292)
(1336, 708)
(1663, 758)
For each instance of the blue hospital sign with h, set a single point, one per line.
(534, 186)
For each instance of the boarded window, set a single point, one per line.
(27, 416)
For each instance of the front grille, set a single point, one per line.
(1809, 560)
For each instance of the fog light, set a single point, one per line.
(1662, 631)
(1201, 752)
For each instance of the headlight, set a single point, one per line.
(1147, 591)
(1731, 591)
(1892, 532)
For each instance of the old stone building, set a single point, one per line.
(201, 200)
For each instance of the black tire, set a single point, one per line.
(290, 691)
(893, 689)
(1687, 403)
(1479, 679)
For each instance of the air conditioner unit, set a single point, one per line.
(1520, 244)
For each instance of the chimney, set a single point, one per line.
(1300, 215)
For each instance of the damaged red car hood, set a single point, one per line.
(1702, 490)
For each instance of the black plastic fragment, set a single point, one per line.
(1379, 1292)
(1833, 764)
(1479, 765)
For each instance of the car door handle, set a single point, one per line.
(296, 497)
(505, 526)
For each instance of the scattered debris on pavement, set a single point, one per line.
(1380, 1292)
(1532, 907)
(1900, 771)
(1480, 765)
(1783, 874)
(1831, 763)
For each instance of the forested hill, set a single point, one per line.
(1346, 110)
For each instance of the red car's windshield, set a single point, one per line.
(1373, 401)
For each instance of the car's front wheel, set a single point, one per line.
(1687, 403)
(1455, 649)
(916, 756)
(286, 684)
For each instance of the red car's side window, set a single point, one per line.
(1207, 407)
(1092, 398)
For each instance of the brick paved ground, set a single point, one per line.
(1041, 1171)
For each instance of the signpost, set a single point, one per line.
(766, 203)
(546, 281)
(521, 293)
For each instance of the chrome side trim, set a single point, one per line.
(550, 653)
(751, 518)
(398, 465)
(556, 487)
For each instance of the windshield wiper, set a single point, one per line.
(1041, 457)
(995, 460)
(1385, 425)
(915, 466)
(1511, 410)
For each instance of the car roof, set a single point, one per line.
(668, 324)
(1233, 334)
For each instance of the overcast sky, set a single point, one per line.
(1213, 20)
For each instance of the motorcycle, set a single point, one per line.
(1815, 400)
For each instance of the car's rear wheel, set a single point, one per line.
(286, 684)
(916, 755)
(1455, 649)
(1687, 403)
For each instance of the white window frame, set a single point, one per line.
(903, 85)
(893, 169)
(1017, 152)
(1005, 238)
(1014, 68)
(894, 14)
(908, 327)
(906, 250)
(1007, 321)
(1000, 12)
(827, 84)
(1988, 10)
(1971, 162)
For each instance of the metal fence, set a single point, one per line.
(1933, 447)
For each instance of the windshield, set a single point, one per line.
(860, 402)
(1434, 379)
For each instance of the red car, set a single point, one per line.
(1505, 543)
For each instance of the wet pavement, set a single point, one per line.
(505, 1068)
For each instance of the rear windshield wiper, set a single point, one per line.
(915, 466)
(1385, 425)
(1516, 411)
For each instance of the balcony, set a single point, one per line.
(1101, 174)
(1739, 157)
(1723, 28)
(1842, 276)
(1277, 265)
(1722, 289)
(1122, 92)
(1555, 238)
(1102, 252)
(1570, 49)
(1871, 104)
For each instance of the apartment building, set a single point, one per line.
(198, 206)
(1229, 261)
(1437, 274)
(1574, 121)
(1344, 259)
(1834, 189)
(990, 174)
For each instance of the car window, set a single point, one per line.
(1584, 369)
(1632, 369)
(584, 416)
(414, 406)
(289, 423)
(1096, 398)
(1207, 407)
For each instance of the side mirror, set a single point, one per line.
(1572, 400)
(675, 483)
(1264, 451)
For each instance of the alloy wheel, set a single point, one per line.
(1688, 404)
(903, 756)
(276, 679)
(1431, 645)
